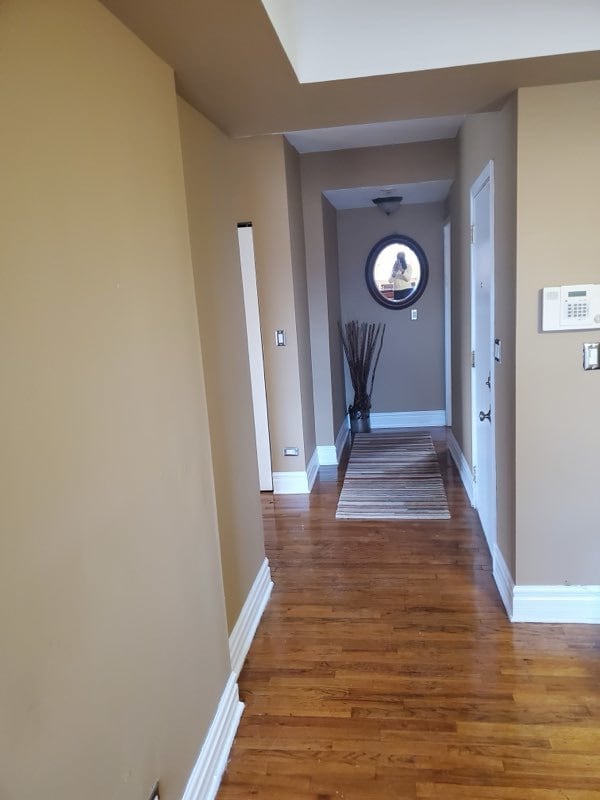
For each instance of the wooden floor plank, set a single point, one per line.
(385, 668)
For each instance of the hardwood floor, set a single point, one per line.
(385, 668)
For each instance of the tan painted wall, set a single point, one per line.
(112, 621)
(484, 137)
(558, 438)
(410, 375)
(219, 296)
(298, 261)
(332, 281)
(344, 169)
(259, 195)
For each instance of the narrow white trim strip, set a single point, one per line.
(461, 463)
(312, 469)
(204, 781)
(504, 580)
(342, 438)
(408, 419)
(327, 455)
(561, 604)
(290, 483)
(244, 629)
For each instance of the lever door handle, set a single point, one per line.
(487, 416)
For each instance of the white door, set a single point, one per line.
(482, 337)
(255, 352)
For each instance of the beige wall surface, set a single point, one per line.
(486, 137)
(408, 163)
(219, 296)
(114, 643)
(259, 195)
(332, 280)
(558, 437)
(298, 260)
(410, 375)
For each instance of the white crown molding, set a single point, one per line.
(408, 419)
(461, 464)
(244, 629)
(558, 604)
(504, 580)
(204, 781)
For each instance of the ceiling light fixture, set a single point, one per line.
(388, 204)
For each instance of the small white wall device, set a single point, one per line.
(569, 308)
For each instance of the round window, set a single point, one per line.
(396, 271)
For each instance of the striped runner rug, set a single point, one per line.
(393, 476)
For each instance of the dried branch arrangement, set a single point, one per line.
(362, 343)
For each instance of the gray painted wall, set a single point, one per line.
(342, 169)
(410, 376)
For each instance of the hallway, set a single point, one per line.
(385, 668)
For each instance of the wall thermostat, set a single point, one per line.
(569, 308)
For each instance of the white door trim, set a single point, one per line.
(447, 233)
(255, 355)
(486, 176)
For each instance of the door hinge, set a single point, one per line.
(472, 358)
(472, 234)
(474, 474)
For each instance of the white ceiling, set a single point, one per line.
(375, 134)
(412, 193)
(327, 40)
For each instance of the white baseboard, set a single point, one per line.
(297, 482)
(204, 781)
(463, 467)
(312, 469)
(504, 580)
(408, 419)
(557, 604)
(560, 604)
(342, 438)
(290, 483)
(244, 629)
(327, 455)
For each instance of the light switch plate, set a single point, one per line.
(591, 355)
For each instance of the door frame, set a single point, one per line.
(447, 234)
(486, 175)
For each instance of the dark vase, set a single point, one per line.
(360, 424)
